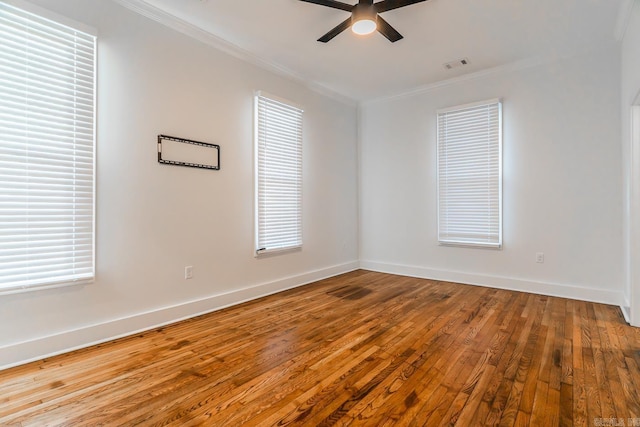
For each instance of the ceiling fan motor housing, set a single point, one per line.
(364, 12)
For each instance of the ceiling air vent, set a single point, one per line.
(455, 64)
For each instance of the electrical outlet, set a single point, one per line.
(188, 272)
(540, 257)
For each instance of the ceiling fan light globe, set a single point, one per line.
(364, 27)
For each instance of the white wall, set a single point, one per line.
(153, 220)
(631, 160)
(562, 181)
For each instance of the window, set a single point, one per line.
(46, 152)
(278, 145)
(470, 175)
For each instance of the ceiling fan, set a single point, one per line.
(365, 18)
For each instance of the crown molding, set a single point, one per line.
(143, 8)
(506, 68)
(487, 72)
(149, 11)
(624, 14)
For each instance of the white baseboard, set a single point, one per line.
(40, 348)
(48, 346)
(626, 313)
(551, 289)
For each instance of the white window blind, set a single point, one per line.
(278, 174)
(46, 152)
(470, 174)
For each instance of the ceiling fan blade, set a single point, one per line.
(332, 3)
(388, 31)
(386, 5)
(337, 30)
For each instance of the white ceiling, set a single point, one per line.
(490, 33)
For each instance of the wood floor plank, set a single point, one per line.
(360, 349)
(580, 417)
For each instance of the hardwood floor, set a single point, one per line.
(363, 348)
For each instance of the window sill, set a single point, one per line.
(275, 252)
(472, 245)
(45, 286)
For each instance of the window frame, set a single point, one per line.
(259, 249)
(41, 15)
(472, 244)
